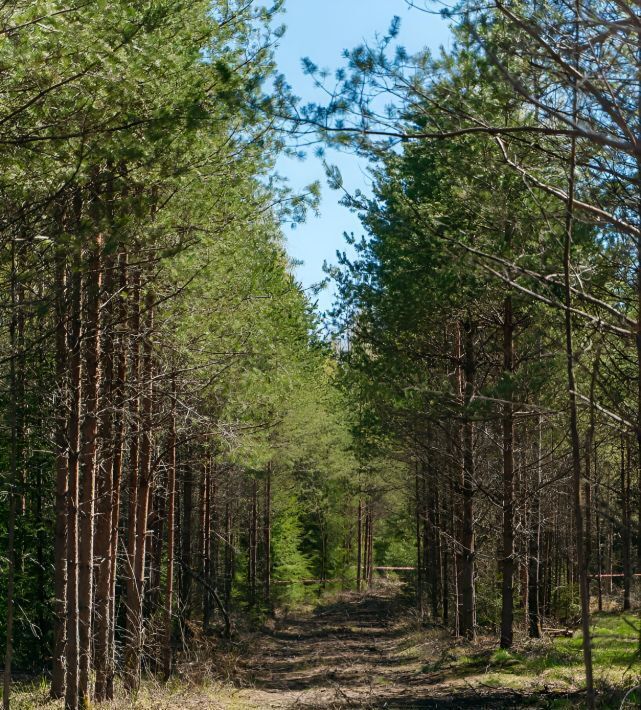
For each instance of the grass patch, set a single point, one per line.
(550, 663)
(152, 696)
(615, 652)
(615, 639)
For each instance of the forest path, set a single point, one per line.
(360, 651)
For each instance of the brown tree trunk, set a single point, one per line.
(60, 546)
(428, 559)
(433, 519)
(133, 652)
(467, 551)
(215, 537)
(131, 592)
(370, 545)
(599, 538)
(359, 543)
(200, 538)
(534, 572)
(267, 536)
(625, 523)
(419, 547)
(589, 476)
(229, 553)
(186, 540)
(253, 541)
(15, 389)
(75, 395)
(156, 527)
(207, 547)
(171, 531)
(104, 494)
(507, 563)
(118, 397)
(366, 562)
(450, 575)
(577, 481)
(91, 354)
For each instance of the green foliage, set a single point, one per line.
(150, 125)
(395, 541)
(289, 563)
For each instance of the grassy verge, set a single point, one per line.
(542, 667)
(152, 696)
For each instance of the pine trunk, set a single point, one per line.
(467, 554)
(534, 542)
(267, 537)
(118, 397)
(507, 563)
(577, 482)
(171, 536)
(625, 523)
(131, 592)
(104, 498)
(75, 395)
(60, 545)
(15, 389)
(91, 371)
(135, 603)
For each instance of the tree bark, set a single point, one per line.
(366, 561)
(207, 595)
(75, 395)
(118, 397)
(419, 547)
(625, 523)
(135, 603)
(185, 541)
(467, 545)
(156, 528)
(507, 563)
(577, 481)
(60, 545)
(599, 539)
(135, 435)
(253, 541)
(171, 533)
(436, 573)
(370, 545)
(229, 553)
(534, 573)
(91, 354)
(104, 493)
(359, 544)
(267, 536)
(15, 388)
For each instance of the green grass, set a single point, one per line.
(615, 654)
(615, 645)
(549, 664)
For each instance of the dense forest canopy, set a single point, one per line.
(187, 449)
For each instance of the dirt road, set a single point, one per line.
(359, 652)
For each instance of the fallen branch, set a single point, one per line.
(557, 633)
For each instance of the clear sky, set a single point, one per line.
(321, 30)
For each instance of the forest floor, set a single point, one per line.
(364, 651)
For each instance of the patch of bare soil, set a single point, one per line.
(359, 652)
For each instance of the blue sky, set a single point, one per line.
(321, 30)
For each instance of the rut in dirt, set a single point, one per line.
(352, 653)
